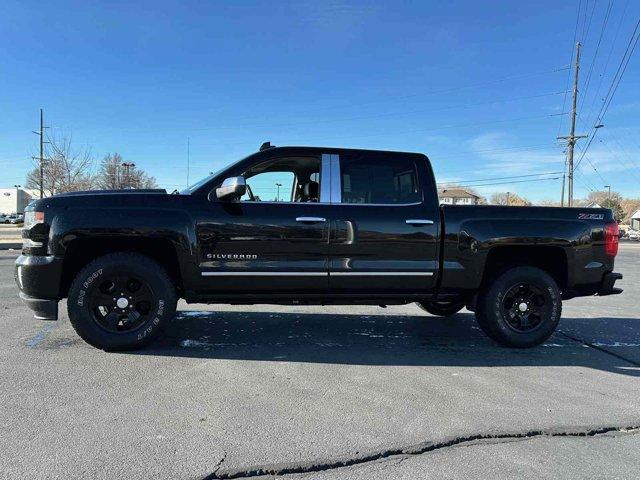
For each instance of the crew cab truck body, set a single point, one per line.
(303, 225)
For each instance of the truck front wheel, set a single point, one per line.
(521, 308)
(121, 301)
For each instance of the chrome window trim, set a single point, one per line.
(382, 274)
(381, 204)
(315, 274)
(263, 274)
(336, 182)
(287, 202)
(325, 179)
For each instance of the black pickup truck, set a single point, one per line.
(306, 225)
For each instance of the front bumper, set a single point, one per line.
(38, 278)
(42, 308)
(607, 286)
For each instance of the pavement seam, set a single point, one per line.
(599, 348)
(412, 450)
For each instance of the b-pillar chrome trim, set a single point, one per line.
(330, 184)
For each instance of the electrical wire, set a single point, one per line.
(631, 45)
(499, 178)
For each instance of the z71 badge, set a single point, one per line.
(590, 216)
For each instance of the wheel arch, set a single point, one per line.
(551, 259)
(80, 251)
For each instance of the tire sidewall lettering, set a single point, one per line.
(86, 284)
(148, 329)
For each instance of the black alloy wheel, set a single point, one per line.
(524, 307)
(521, 307)
(121, 303)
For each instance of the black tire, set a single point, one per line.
(124, 277)
(521, 308)
(442, 309)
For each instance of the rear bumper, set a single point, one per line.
(607, 286)
(42, 308)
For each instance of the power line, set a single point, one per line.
(595, 55)
(616, 157)
(499, 178)
(631, 45)
(606, 64)
(509, 183)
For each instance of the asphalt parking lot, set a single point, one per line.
(326, 393)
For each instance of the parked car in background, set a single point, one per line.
(15, 219)
(633, 235)
(4, 219)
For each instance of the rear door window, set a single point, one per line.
(388, 181)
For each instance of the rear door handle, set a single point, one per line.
(310, 219)
(419, 221)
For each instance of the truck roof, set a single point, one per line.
(324, 149)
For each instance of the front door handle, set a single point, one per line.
(419, 221)
(310, 219)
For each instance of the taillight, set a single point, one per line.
(611, 237)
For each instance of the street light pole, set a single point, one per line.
(609, 187)
(278, 184)
(127, 178)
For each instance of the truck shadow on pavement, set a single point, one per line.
(393, 340)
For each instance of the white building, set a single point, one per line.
(457, 196)
(13, 200)
(635, 221)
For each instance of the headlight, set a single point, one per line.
(31, 218)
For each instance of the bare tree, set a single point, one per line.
(630, 206)
(66, 168)
(511, 199)
(113, 176)
(109, 175)
(140, 179)
(602, 195)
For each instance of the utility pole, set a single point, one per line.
(609, 187)
(572, 137)
(41, 157)
(127, 178)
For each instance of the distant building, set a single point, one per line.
(635, 221)
(457, 196)
(13, 200)
(593, 205)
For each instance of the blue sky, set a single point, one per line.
(477, 86)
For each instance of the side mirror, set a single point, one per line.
(232, 188)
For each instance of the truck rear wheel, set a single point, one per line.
(442, 309)
(121, 301)
(521, 308)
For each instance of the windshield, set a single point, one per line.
(192, 188)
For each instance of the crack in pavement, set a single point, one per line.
(599, 348)
(219, 464)
(417, 449)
